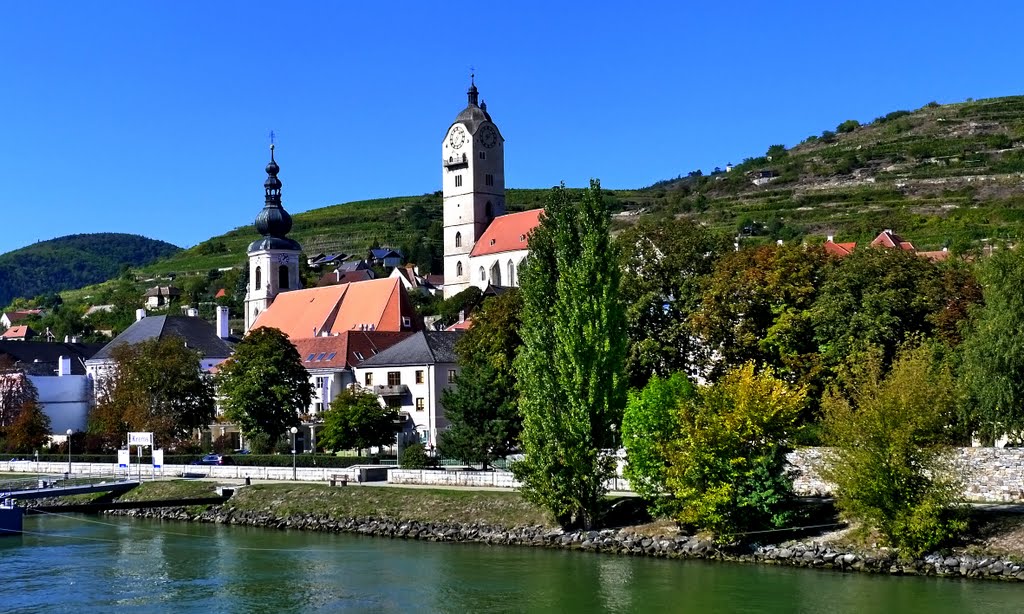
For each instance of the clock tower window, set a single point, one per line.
(483, 155)
(458, 239)
(488, 179)
(458, 181)
(259, 278)
(282, 277)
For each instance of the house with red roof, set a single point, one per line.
(18, 333)
(10, 318)
(886, 239)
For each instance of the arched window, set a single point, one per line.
(483, 274)
(259, 278)
(458, 239)
(496, 274)
(282, 277)
(511, 273)
(458, 269)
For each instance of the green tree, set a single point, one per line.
(357, 420)
(483, 408)
(874, 297)
(264, 385)
(650, 424)
(155, 386)
(570, 369)
(727, 469)
(848, 126)
(663, 266)
(16, 391)
(890, 464)
(992, 368)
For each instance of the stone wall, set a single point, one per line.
(991, 475)
(488, 479)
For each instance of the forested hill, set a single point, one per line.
(74, 261)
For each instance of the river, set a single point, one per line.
(103, 564)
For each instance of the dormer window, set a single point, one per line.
(522, 238)
(493, 241)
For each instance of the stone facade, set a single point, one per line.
(991, 475)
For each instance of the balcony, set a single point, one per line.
(455, 161)
(391, 391)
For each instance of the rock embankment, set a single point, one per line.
(610, 541)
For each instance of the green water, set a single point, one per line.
(89, 564)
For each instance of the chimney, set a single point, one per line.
(65, 366)
(67, 339)
(462, 316)
(139, 314)
(75, 339)
(222, 323)
(192, 312)
(829, 239)
(778, 242)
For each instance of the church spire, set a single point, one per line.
(473, 94)
(273, 220)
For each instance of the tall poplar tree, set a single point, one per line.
(571, 372)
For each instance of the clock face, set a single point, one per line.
(488, 136)
(282, 259)
(457, 137)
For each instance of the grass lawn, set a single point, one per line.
(170, 489)
(424, 505)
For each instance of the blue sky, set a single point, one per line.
(152, 117)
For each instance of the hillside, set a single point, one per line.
(943, 175)
(74, 261)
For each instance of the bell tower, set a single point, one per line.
(274, 258)
(473, 186)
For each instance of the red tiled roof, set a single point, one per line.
(344, 350)
(17, 332)
(380, 303)
(888, 238)
(220, 293)
(507, 233)
(21, 314)
(839, 249)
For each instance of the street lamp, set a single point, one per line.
(69, 454)
(294, 430)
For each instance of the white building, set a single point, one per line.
(213, 343)
(411, 376)
(59, 374)
(482, 245)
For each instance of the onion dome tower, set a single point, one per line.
(273, 258)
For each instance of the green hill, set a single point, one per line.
(74, 261)
(943, 175)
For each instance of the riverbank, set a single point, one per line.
(994, 551)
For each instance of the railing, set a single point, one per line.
(457, 160)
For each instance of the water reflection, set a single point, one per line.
(89, 567)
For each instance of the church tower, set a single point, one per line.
(273, 259)
(473, 185)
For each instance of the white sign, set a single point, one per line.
(158, 459)
(123, 458)
(140, 439)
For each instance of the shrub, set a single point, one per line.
(261, 443)
(848, 126)
(415, 457)
(728, 467)
(889, 465)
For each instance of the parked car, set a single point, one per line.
(214, 459)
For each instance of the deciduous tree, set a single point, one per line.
(264, 385)
(663, 267)
(890, 463)
(727, 469)
(483, 408)
(357, 420)
(154, 386)
(571, 367)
